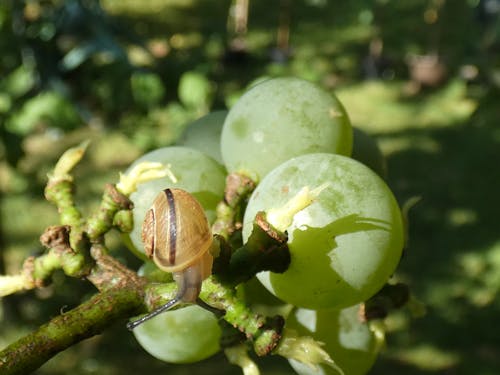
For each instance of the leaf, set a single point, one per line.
(46, 109)
(147, 89)
(19, 82)
(195, 90)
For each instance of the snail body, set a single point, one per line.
(177, 237)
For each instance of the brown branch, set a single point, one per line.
(88, 319)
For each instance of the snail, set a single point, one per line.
(177, 236)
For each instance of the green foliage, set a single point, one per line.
(195, 91)
(147, 89)
(438, 143)
(19, 82)
(46, 110)
(366, 150)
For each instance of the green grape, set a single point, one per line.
(345, 245)
(196, 173)
(150, 271)
(279, 119)
(254, 293)
(349, 341)
(260, 300)
(366, 150)
(204, 134)
(185, 335)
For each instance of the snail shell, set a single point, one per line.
(177, 236)
(176, 233)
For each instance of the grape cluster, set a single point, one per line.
(287, 135)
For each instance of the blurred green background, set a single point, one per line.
(421, 76)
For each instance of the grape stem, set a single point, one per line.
(229, 211)
(77, 247)
(265, 250)
(390, 297)
(263, 332)
(90, 318)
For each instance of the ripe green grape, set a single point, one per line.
(185, 335)
(254, 293)
(345, 245)
(366, 150)
(279, 119)
(349, 341)
(196, 173)
(204, 134)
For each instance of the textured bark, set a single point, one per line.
(86, 320)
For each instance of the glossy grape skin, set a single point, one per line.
(345, 245)
(196, 173)
(256, 294)
(204, 134)
(279, 119)
(185, 335)
(349, 341)
(366, 150)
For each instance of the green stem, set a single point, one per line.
(264, 332)
(389, 298)
(61, 193)
(238, 189)
(44, 267)
(86, 320)
(60, 254)
(102, 221)
(265, 250)
(108, 273)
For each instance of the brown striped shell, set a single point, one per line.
(175, 231)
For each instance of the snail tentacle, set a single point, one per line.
(152, 314)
